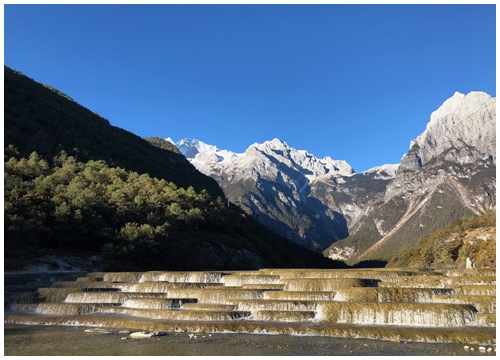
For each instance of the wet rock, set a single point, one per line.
(141, 334)
(160, 333)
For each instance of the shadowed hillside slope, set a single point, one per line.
(42, 119)
(74, 182)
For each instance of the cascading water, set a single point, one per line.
(414, 305)
(238, 280)
(69, 309)
(156, 303)
(125, 277)
(183, 277)
(276, 305)
(98, 297)
(188, 315)
(483, 303)
(408, 314)
(474, 289)
(390, 294)
(263, 286)
(283, 316)
(326, 284)
(215, 296)
(300, 295)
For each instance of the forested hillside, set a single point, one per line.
(42, 119)
(73, 181)
(471, 237)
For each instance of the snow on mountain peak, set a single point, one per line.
(461, 105)
(304, 161)
(387, 171)
(259, 157)
(462, 119)
(191, 147)
(275, 144)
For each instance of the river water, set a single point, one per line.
(42, 340)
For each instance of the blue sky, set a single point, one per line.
(355, 82)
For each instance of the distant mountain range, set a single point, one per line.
(322, 204)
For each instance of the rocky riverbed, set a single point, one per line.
(26, 340)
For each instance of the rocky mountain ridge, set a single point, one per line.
(461, 120)
(212, 160)
(449, 171)
(313, 201)
(309, 200)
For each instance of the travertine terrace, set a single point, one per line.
(452, 306)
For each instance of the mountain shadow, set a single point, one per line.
(73, 182)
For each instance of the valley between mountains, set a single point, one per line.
(324, 205)
(80, 193)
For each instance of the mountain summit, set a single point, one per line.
(461, 120)
(289, 190)
(449, 171)
(261, 157)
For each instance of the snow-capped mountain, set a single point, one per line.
(289, 190)
(449, 171)
(387, 171)
(203, 156)
(462, 119)
(211, 160)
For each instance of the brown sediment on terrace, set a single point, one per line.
(469, 335)
(391, 304)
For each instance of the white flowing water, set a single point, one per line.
(300, 295)
(98, 297)
(122, 277)
(179, 314)
(325, 284)
(211, 307)
(238, 280)
(482, 303)
(156, 303)
(281, 305)
(283, 316)
(468, 272)
(69, 309)
(263, 286)
(183, 276)
(474, 289)
(390, 294)
(367, 303)
(408, 314)
(215, 296)
(442, 281)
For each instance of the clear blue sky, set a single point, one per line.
(354, 82)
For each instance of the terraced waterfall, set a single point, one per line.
(448, 306)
